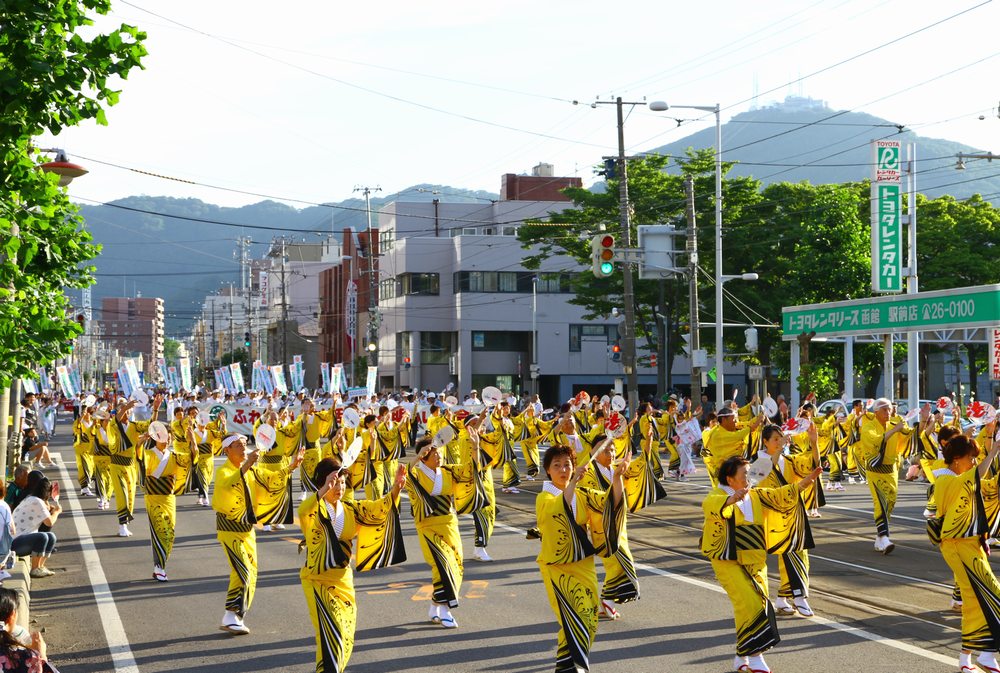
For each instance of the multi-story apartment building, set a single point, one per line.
(134, 326)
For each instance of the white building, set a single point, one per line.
(456, 302)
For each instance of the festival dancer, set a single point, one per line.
(83, 447)
(563, 513)
(432, 486)
(104, 433)
(234, 523)
(736, 517)
(182, 446)
(727, 440)
(788, 535)
(878, 449)
(963, 492)
(161, 503)
(124, 469)
(208, 438)
(330, 524)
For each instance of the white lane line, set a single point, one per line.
(114, 629)
(837, 626)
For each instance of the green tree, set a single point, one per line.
(655, 197)
(171, 349)
(51, 78)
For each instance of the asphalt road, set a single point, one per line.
(102, 611)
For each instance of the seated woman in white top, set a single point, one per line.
(41, 506)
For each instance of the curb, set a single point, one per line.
(20, 582)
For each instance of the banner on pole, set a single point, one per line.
(185, 367)
(336, 379)
(66, 382)
(237, 377)
(372, 380)
(887, 220)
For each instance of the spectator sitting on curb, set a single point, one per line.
(35, 450)
(17, 487)
(40, 507)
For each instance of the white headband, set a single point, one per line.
(232, 438)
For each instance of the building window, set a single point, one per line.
(386, 289)
(555, 283)
(501, 341)
(493, 281)
(418, 284)
(435, 348)
(386, 238)
(578, 333)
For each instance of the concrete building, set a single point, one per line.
(291, 319)
(134, 326)
(344, 293)
(456, 303)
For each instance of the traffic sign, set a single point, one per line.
(957, 308)
(755, 372)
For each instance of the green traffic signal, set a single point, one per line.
(607, 268)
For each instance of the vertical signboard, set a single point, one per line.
(887, 221)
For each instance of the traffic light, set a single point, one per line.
(406, 362)
(652, 360)
(616, 352)
(602, 255)
(246, 339)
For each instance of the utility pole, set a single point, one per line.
(284, 308)
(232, 352)
(244, 243)
(373, 316)
(628, 299)
(215, 349)
(692, 254)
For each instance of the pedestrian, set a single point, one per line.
(727, 439)
(330, 524)
(83, 448)
(35, 450)
(963, 495)
(17, 487)
(566, 560)
(733, 537)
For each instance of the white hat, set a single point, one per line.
(232, 438)
(431, 396)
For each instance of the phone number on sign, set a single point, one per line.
(959, 308)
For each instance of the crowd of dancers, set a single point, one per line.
(354, 458)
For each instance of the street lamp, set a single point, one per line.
(62, 166)
(660, 106)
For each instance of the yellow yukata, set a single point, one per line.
(960, 531)
(530, 431)
(209, 446)
(501, 437)
(161, 503)
(234, 525)
(392, 439)
(666, 426)
(478, 496)
(327, 578)
(102, 459)
(83, 448)
(124, 471)
(721, 444)
(567, 565)
(182, 451)
(734, 539)
(621, 582)
(433, 508)
(880, 458)
(788, 534)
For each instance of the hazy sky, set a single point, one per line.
(306, 100)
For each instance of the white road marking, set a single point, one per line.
(114, 629)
